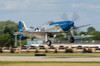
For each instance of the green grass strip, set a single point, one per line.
(12, 62)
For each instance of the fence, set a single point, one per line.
(78, 42)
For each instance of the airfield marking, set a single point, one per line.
(28, 58)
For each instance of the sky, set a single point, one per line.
(37, 12)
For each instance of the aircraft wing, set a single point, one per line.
(80, 27)
(36, 33)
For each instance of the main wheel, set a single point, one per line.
(48, 43)
(72, 40)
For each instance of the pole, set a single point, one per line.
(46, 37)
(20, 41)
(15, 40)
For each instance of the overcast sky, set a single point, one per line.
(37, 12)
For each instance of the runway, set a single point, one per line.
(33, 58)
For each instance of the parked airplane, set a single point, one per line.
(49, 30)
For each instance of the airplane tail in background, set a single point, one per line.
(22, 26)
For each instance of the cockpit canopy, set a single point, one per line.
(50, 22)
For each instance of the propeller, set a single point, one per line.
(65, 17)
(75, 17)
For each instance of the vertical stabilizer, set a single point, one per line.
(22, 26)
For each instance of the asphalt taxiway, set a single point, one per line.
(43, 58)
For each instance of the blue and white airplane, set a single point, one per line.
(49, 30)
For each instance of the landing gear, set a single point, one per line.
(48, 43)
(72, 40)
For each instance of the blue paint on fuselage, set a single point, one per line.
(64, 25)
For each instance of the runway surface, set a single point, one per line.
(33, 58)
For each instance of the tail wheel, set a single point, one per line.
(48, 43)
(72, 40)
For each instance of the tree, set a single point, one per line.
(75, 33)
(6, 40)
(82, 32)
(90, 29)
(7, 30)
(8, 27)
(61, 37)
(96, 35)
(32, 27)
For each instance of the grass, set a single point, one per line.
(55, 54)
(48, 63)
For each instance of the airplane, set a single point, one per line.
(49, 30)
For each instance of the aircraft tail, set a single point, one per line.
(22, 26)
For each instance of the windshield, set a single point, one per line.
(50, 22)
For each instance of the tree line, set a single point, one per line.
(7, 29)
